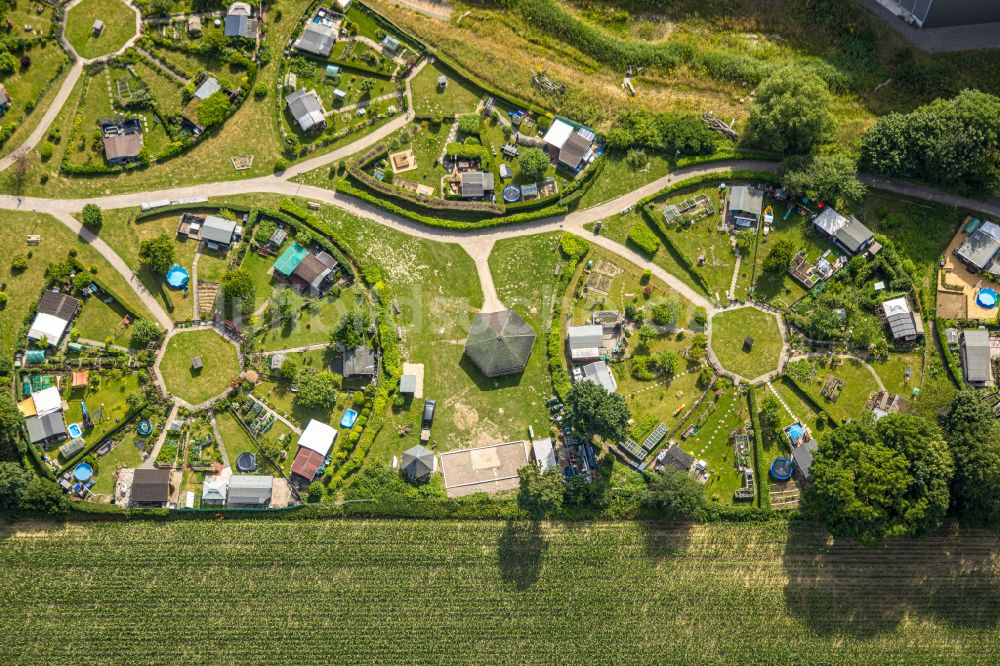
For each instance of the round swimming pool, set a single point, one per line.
(83, 472)
(986, 298)
(177, 277)
(145, 428)
(511, 193)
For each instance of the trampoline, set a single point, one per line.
(511, 193)
(986, 298)
(177, 277)
(246, 462)
(145, 428)
(83, 472)
(350, 416)
(781, 469)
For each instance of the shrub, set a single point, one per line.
(573, 247)
(19, 263)
(47, 150)
(643, 238)
(92, 217)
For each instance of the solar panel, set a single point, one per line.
(654, 438)
(632, 449)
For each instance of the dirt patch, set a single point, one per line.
(951, 305)
(465, 416)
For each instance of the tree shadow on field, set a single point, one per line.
(665, 540)
(950, 577)
(520, 552)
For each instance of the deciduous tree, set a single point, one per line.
(157, 253)
(593, 411)
(674, 495)
(791, 111)
(973, 436)
(890, 478)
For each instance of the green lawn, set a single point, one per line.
(106, 403)
(119, 26)
(125, 454)
(316, 324)
(219, 358)
(99, 320)
(731, 328)
(234, 437)
(212, 264)
(893, 372)
(429, 100)
(24, 289)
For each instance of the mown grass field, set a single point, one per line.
(219, 361)
(492, 593)
(119, 26)
(729, 331)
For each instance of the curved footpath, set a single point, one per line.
(477, 242)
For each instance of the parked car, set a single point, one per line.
(428, 413)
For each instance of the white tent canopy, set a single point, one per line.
(318, 437)
(47, 401)
(558, 134)
(48, 326)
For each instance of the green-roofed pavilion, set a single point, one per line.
(499, 343)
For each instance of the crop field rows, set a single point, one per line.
(491, 592)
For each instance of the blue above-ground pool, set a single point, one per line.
(145, 428)
(795, 432)
(83, 472)
(781, 469)
(350, 416)
(177, 277)
(986, 298)
(74, 430)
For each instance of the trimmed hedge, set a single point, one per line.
(644, 239)
(344, 187)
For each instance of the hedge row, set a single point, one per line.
(346, 188)
(677, 251)
(831, 419)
